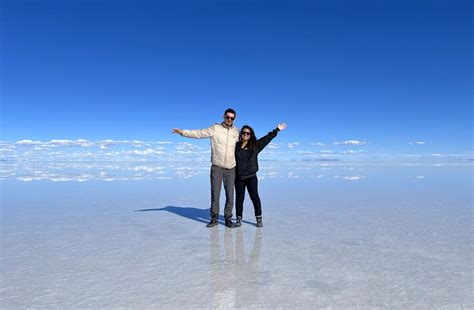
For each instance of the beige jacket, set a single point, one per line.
(223, 140)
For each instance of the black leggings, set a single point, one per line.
(252, 188)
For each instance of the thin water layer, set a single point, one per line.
(334, 235)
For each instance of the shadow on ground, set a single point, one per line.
(199, 215)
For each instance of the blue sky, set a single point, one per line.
(388, 73)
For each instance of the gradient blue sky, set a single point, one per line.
(384, 72)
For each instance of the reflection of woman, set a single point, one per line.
(247, 273)
(234, 274)
(246, 156)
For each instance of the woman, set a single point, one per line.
(246, 156)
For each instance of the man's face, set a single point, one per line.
(229, 118)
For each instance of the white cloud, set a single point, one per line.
(293, 144)
(87, 143)
(106, 143)
(352, 151)
(148, 168)
(350, 142)
(186, 146)
(351, 177)
(6, 149)
(273, 146)
(145, 152)
(292, 175)
(79, 142)
(28, 142)
(418, 142)
(318, 144)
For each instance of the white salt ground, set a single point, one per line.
(388, 240)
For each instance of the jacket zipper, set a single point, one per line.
(226, 143)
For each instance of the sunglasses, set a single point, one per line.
(245, 133)
(230, 117)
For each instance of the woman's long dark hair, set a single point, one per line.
(252, 143)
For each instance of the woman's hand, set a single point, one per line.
(177, 130)
(281, 126)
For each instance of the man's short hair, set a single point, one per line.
(230, 111)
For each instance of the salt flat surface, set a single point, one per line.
(334, 236)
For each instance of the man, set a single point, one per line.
(224, 137)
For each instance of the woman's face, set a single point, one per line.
(245, 134)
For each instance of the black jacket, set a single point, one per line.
(247, 161)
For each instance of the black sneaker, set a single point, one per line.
(228, 222)
(238, 222)
(213, 222)
(259, 221)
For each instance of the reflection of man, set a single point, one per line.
(234, 277)
(223, 137)
(223, 284)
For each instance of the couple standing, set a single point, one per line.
(234, 157)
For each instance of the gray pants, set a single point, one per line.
(219, 175)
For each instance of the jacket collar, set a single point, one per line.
(227, 127)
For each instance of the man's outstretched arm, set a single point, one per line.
(197, 133)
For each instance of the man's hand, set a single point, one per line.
(178, 131)
(281, 126)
